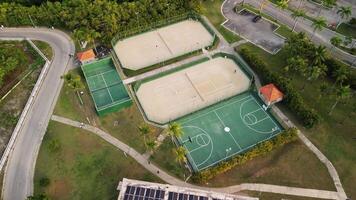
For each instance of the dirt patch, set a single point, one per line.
(59, 189)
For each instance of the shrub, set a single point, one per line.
(44, 182)
(292, 99)
(260, 149)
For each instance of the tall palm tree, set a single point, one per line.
(335, 41)
(296, 15)
(342, 93)
(180, 153)
(344, 12)
(175, 130)
(282, 5)
(319, 55)
(318, 24)
(144, 130)
(263, 3)
(151, 145)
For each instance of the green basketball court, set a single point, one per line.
(226, 129)
(105, 86)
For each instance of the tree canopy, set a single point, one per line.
(104, 17)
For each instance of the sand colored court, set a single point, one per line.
(172, 96)
(162, 44)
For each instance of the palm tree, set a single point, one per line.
(263, 3)
(151, 145)
(335, 41)
(180, 153)
(318, 24)
(144, 131)
(296, 15)
(296, 64)
(340, 75)
(344, 12)
(319, 55)
(175, 130)
(282, 4)
(342, 93)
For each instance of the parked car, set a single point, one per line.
(257, 18)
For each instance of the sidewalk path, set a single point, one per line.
(143, 160)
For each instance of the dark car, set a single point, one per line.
(101, 51)
(257, 18)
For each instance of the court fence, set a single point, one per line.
(149, 27)
(94, 70)
(135, 86)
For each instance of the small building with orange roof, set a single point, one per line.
(86, 56)
(270, 94)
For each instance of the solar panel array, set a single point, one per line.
(140, 193)
(183, 196)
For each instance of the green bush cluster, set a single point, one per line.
(308, 116)
(262, 148)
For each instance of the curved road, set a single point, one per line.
(19, 172)
(304, 25)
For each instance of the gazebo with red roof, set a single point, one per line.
(270, 94)
(86, 56)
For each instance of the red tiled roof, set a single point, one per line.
(86, 55)
(271, 92)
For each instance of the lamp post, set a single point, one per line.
(227, 152)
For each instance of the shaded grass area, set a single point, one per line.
(291, 165)
(45, 48)
(80, 165)
(164, 157)
(347, 30)
(123, 125)
(334, 134)
(212, 10)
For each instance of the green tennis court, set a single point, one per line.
(105, 86)
(226, 129)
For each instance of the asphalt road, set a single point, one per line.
(304, 25)
(19, 172)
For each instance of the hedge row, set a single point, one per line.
(260, 149)
(292, 99)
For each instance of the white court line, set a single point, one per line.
(221, 121)
(249, 126)
(106, 86)
(184, 122)
(212, 146)
(275, 125)
(229, 131)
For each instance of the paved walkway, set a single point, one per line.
(143, 160)
(304, 25)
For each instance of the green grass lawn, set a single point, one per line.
(45, 48)
(80, 165)
(212, 10)
(347, 30)
(334, 134)
(291, 165)
(122, 125)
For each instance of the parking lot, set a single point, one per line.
(260, 33)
